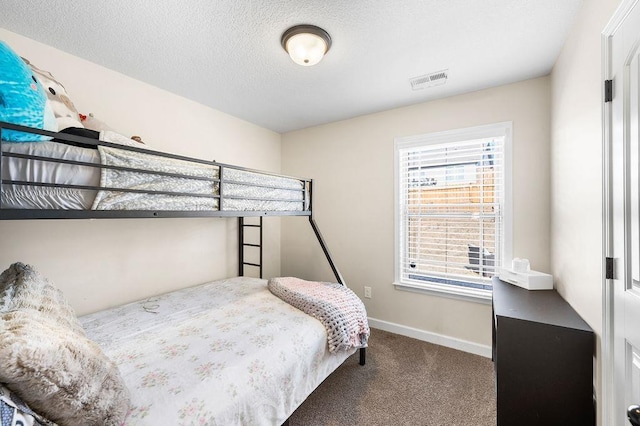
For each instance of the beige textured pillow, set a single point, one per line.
(23, 288)
(51, 365)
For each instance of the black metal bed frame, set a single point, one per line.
(30, 214)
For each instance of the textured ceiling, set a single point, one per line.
(227, 53)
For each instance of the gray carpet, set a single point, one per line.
(405, 382)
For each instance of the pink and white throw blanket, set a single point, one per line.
(337, 307)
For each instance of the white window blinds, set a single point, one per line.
(451, 209)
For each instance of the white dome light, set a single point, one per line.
(306, 44)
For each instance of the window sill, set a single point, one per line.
(466, 294)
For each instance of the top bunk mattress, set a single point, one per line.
(224, 353)
(30, 170)
(53, 175)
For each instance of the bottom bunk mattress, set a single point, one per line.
(224, 353)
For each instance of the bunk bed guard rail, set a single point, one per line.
(233, 191)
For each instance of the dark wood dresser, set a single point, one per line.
(543, 359)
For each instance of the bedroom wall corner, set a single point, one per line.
(102, 263)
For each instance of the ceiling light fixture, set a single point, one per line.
(306, 44)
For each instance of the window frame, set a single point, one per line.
(451, 136)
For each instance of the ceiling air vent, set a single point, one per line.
(429, 80)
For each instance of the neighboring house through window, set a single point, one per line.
(453, 210)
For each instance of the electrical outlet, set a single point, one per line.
(367, 292)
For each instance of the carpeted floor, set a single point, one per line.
(405, 382)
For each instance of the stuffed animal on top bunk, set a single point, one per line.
(32, 97)
(93, 128)
(91, 122)
(63, 109)
(69, 120)
(22, 99)
(96, 129)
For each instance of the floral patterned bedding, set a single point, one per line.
(224, 353)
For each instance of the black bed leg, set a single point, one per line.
(363, 355)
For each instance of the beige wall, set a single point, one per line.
(576, 171)
(576, 167)
(351, 163)
(100, 263)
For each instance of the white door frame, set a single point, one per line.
(607, 366)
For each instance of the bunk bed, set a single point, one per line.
(276, 355)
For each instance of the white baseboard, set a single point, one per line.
(435, 338)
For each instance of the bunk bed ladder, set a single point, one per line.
(242, 243)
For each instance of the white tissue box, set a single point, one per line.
(531, 280)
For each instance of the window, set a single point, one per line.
(453, 210)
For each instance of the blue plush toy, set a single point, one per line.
(22, 99)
